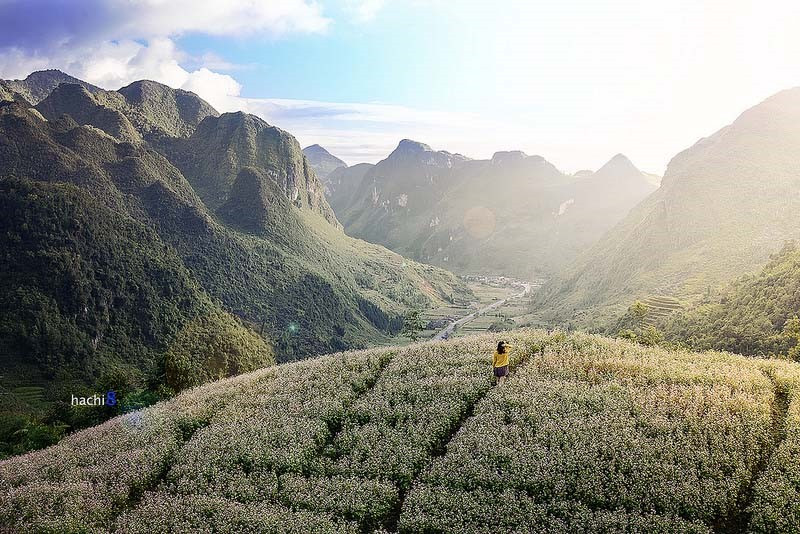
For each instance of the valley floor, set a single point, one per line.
(588, 434)
(500, 304)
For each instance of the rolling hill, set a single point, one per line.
(587, 435)
(723, 207)
(141, 226)
(526, 217)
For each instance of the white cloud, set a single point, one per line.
(44, 24)
(112, 43)
(364, 10)
(220, 90)
(231, 17)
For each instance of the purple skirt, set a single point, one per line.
(501, 371)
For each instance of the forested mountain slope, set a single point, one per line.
(723, 207)
(144, 234)
(587, 435)
(755, 315)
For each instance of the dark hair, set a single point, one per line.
(501, 347)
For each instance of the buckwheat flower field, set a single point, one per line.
(588, 434)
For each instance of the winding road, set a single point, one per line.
(448, 330)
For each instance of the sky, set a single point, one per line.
(575, 81)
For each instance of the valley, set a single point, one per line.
(498, 304)
(372, 267)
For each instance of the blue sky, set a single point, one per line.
(575, 81)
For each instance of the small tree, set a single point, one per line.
(791, 332)
(638, 311)
(412, 325)
(651, 336)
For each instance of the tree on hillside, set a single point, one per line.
(791, 331)
(412, 325)
(638, 311)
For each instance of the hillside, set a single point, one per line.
(525, 217)
(753, 315)
(322, 161)
(143, 226)
(723, 207)
(588, 435)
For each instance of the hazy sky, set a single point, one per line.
(575, 81)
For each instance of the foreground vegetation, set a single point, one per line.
(588, 434)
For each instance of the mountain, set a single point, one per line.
(38, 85)
(586, 435)
(322, 161)
(141, 246)
(724, 205)
(525, 216)
(343, 183)
(141, 110)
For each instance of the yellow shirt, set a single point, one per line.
(500, 360)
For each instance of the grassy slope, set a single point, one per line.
(588, 434)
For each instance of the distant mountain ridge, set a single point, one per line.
(520, 214)
(322, 161)
(724, 205)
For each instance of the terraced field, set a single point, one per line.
(588, 434)
(660, 307)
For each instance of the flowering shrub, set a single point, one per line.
(587, 435)
(776, 495)
(80, 482)
(614, 427)
(438, 508)
(162, 512)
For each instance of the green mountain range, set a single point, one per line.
(723, 207)
(526, 217)
(146, 235)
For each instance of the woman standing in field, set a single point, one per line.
(500, 362)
